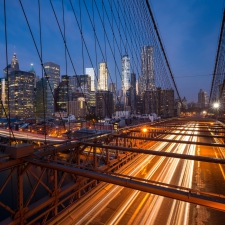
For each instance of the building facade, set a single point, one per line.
(21, 94)
(41, 98)
(61, 96)
(104, 104)
(103, 77)
(202, 99)
(52, 75)
(161, 102)
(91, 73)
(125, 76)
(77, 108)
(147, 79)
(17, 91)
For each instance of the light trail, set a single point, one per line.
(97, 208)
(150, 212)
(130, 199)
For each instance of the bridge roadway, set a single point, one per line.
(112, 204)
(26, 136)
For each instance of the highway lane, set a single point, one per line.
(112, 211)
(118, 205)
(209, 177)
(152, 205)
(29, 136)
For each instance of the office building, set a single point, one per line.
(103, 77)
(132, 94)
(21, 94)
(4, 97)
(19, 88)
(84, 82)
(61, 96)
(139, 105)
(160, 102)
(52, 74)
(125, 82)
(77, 108)
(112, 88)
(41, 103)
(91, 73)
(147, 79)
(202, 99)
(104, 104)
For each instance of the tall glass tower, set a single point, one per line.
(52, 71)
(147, 80)
(125, 77)
(91, 72)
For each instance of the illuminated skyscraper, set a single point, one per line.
(52, 71)
(125, 77)
(19, 90)
(147, 80)
(91, 72)
(103, 77)
(21, 94)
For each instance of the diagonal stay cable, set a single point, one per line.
(35, 44)
(68, 52)
(7, 76)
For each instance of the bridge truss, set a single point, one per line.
(46, 184)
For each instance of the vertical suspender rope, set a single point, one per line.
(42, 72)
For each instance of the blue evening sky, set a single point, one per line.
(189, 30)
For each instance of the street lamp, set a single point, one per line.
(216, 106)
(144, 130)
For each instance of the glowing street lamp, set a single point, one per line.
(144, 130)
(216, 105)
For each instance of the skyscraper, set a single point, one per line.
(91, 72)
(19, 89)
(61, 95)
(103, 77)
(104, 104)
(33, 71)
(125, 77)
(14, 66)
(52, 71)
(41, 97)
(84, 82)
(112, 88)
(147, 79)
(202, 98)
(132, 93)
